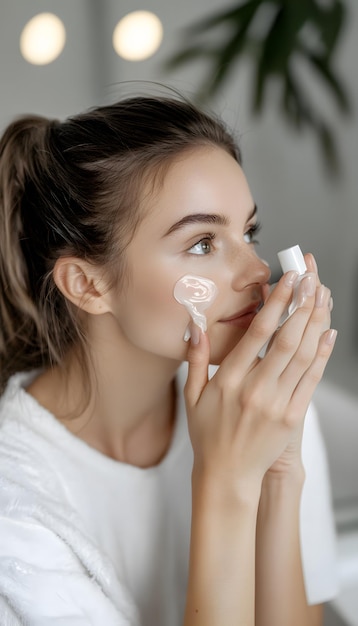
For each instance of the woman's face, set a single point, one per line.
(201, 221)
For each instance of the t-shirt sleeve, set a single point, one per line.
(318, 535)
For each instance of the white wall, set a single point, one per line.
(298, 203)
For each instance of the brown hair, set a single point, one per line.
(73, 188)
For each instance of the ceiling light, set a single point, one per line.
(43, 39)
(138, 35)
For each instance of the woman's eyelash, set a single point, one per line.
(207, 239)
(209, 236)
(253, 230)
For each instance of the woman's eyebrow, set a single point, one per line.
(198, 218)
(204, 218)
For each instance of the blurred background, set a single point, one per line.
(283, 75)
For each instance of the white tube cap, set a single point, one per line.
(292, 259)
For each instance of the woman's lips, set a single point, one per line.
(243, 318)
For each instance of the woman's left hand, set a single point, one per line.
(290, 459)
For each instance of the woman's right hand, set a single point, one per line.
(243, 418)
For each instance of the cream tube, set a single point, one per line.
(293, 259)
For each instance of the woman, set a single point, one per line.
(116, 507)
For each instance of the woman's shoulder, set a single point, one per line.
(23, 467)
(14, 395)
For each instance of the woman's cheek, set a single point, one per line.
(222, 341)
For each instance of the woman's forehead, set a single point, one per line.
(191, 178)
(204, 191)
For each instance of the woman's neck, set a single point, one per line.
(131, 409)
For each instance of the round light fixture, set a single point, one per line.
(138, 35)
(42, 39)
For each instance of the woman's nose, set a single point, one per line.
(251, 270)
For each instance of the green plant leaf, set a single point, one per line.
(273, 54)
(329, 22)
(293, 103)
(239, 19)
(322, 66)
(238, 15)
(224, 64)
(189, 54)
(277, 48)
(329, 148)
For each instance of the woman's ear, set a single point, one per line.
(83, 284)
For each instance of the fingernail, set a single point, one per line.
(290, 278)
(307, 289)
(309, 285)
(330, 304)
(314, 263)
(187, 334)
(195, 334)
(331, 337)
(320, 296)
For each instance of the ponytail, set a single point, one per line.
(22, 154)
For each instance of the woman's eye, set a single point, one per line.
(202, 247)
(249, 236)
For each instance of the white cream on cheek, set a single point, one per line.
(196, 293)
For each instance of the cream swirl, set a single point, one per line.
(196, 293)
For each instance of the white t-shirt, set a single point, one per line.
(87, 540)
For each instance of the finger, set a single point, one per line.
(312, 266)
(261, 329)
(289, 337)
(266, 290)
(307, 350)
(307, 385)
(198, 361)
